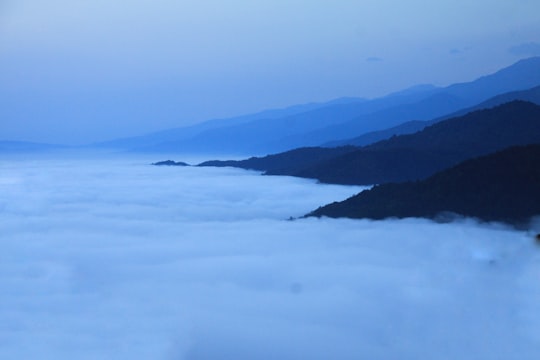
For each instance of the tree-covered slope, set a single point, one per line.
(504, 186)
(408, 157)
(416, 156)
(286, 162)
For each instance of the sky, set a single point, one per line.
(82, 71)
(117, 259)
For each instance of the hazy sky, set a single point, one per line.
(77, 71)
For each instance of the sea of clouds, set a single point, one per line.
(117, 259)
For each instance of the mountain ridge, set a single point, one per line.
(340, 121)
(410, 127)
(408, 157)
(438, 146)
(503, 186)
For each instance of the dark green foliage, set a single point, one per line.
(504, 186)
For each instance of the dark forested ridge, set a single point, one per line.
(504, 186)
(286, 162)
(170, 163)
(484, 130)
(409, 157)
(439, 146)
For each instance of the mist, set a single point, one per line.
(117, 259)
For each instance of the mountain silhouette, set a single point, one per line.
(288, 162)
(409, 157)
(503, 186)
(410, 127)
(185, 133)
(317, 124)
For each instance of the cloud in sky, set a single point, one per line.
(81, 71)
(121, 260)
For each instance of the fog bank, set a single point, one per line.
(122, 260)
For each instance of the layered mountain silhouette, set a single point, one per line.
(172, 136)
(409, 157)
(287, 163)
(263, 134)
(316, 124)
(503, 186)
(410, 127)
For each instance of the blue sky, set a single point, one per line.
(81, 71)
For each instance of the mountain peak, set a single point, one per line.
(521, 75)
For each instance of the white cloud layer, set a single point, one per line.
(120, 260)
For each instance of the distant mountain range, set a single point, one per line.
(153, 141)
(504, 186)
(471, 148)
(408, 157)
(410, 127)
(316, 124)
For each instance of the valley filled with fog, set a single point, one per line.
(118, 259)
